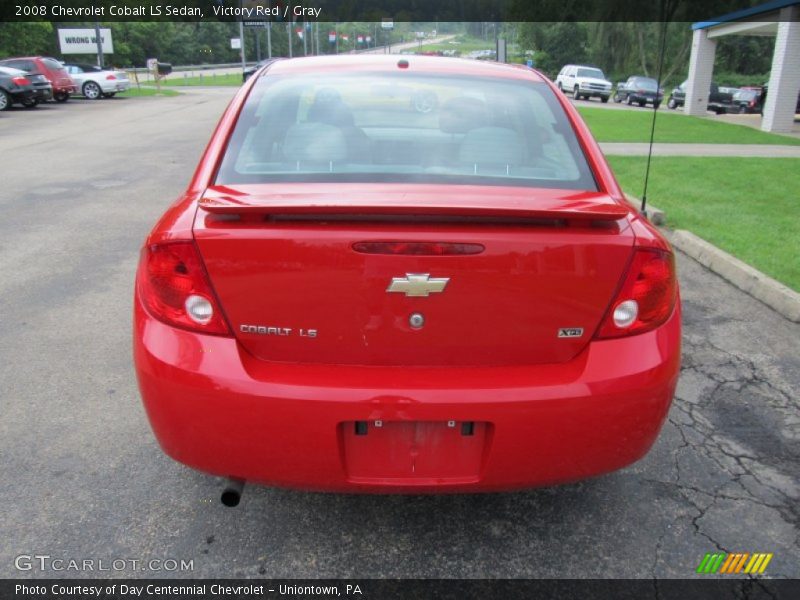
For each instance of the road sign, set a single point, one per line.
(236, 43)
(84, 41)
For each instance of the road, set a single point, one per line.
(84, 478)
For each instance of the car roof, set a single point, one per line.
(416, 64)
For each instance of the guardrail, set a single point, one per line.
(205, 67)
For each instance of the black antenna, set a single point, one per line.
(663, 43)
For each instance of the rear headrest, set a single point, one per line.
(314, 142)
(328, 107)
(461, 114)
(492, 145)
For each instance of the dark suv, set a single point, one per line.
(54, 71)
(640, 90)
(718, 102)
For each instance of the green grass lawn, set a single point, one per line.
(634, 126)
(178, 80)
(747, 206)
(135, 92)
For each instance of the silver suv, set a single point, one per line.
(583, 81)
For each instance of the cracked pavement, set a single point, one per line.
(86, 479)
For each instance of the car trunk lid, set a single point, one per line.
(412, 274)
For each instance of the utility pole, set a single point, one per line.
(289, 36)
(269, 39)
(99, 44)
(241, 42)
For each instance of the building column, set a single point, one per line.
(784, 79)
(701, 68)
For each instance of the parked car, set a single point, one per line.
(640, 90)
(20, 87)
(583, 81)
(63, 85)
(250, 71)
(763, 99)
(355, 297)
(718, 101)
(747, 100)
(94, 82)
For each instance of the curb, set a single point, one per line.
(655, 215)
(751, 281)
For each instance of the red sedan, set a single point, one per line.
(357, 295)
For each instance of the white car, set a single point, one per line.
(584, 82)
(94, 82)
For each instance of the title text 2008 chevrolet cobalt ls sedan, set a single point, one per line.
(359, 294)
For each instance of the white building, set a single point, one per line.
(779, 18)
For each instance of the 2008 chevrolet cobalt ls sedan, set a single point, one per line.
(361, 291)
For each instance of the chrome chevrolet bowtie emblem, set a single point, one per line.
(417, 284)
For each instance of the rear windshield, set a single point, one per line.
(53, 64)
(646, 84)
(23, 65)
(379, 127)
(595, 73)
(744, 95)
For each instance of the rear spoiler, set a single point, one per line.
(553, 204)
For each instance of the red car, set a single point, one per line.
(54, 71)
(354, 296)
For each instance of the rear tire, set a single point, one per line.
(603, 99)
(629, 101)
(742, 110)
(617, 97)
(576, 93)
(30, 103)
(642, 103)
(672, 104)
(5, 100)
(91, 90)
(61, 97)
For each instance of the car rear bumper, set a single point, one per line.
(216, 408)
(111, 87)
(645, 98)
(64, 89)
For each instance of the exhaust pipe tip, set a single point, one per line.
(232, 493)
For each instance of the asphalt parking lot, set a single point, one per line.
(82, 185)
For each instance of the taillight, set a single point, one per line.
(646, 298)
(752, 103)
(21, 80)
(111, 77)
(175, 289)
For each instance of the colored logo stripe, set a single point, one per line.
(719, 562)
